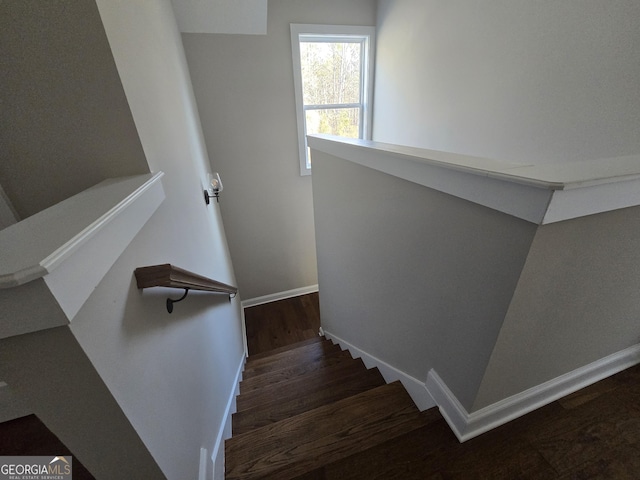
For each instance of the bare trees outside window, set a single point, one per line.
(332, 72)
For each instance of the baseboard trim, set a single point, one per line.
(226, 421)
(202, 471)
(274, 297)
(414, 387)
(468, 425)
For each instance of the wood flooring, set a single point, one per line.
(28, 436)
(277, 324)
(306, 426)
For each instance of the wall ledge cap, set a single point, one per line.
(540, 194)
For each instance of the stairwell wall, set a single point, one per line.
(414, 277)
(172, 375)
(575, 304)
(244, 89)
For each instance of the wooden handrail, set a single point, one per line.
(166, 275)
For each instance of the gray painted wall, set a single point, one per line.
(577, 301)
(51, 376)
(415, 277)
(8, 214)
(221, 16)
(244, 88)
(513, 80)
(64, 120)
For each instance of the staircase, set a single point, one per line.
(308, 406)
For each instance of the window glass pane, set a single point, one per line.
(330, 72)
(344, 122)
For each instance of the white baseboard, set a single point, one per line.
(414, 387)
(245, 345)
(274, 297)
(225, 425)
(202, 471)
(468, 425)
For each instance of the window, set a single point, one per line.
(333, 72)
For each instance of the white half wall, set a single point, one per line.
(414, 277)
(510, 315)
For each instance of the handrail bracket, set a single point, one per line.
(170, 302)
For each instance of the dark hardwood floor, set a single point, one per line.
(282, 323)
(591, 434)
(28, 436)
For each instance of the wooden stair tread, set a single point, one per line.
(300, 385)
(291, 346)
(408, 456)
(298, 355)
(273, 368)
(326, 434)
(354, 384)
(305, 388)
(292, 371)
(290, 350)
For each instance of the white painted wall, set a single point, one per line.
(512, 80)
(172, 375)
(244, 89)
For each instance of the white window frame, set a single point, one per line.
(333, 33)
